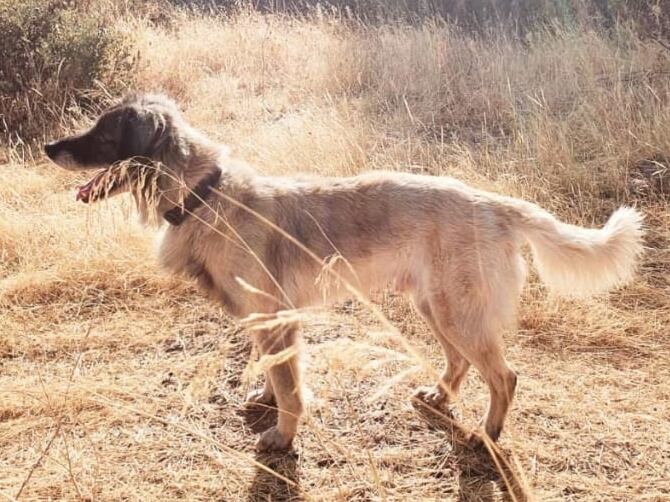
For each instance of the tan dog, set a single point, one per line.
(453, 249)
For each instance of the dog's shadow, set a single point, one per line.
(277, 475)
(483, 475)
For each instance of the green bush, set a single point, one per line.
(54, 54)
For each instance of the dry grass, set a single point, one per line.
(117, 382)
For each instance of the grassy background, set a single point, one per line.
(117, 382)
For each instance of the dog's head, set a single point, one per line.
(142, 129)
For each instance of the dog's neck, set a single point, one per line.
(200, 172)
(197, 197)
(203, 166)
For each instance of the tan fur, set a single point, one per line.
(453, 249)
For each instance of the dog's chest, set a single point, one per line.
(181, 253)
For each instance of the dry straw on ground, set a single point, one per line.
(117, 382)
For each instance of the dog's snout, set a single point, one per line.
(50, 149)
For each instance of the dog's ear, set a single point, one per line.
(167, 136)
(132, 143)
(150, 131)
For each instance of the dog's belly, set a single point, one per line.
(345, 279)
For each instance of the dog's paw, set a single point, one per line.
(273, 440)
(260, 397)
(479, 438)
(433, 397)
(475, 440)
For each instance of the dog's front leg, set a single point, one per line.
(264, 396)
(280, 344)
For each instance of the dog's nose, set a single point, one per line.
(50, 149)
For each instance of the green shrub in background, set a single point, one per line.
(54, 54)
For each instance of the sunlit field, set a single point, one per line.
(119, 382)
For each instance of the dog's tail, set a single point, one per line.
(577, 261)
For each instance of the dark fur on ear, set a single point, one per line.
(142, 132)
(132, 143)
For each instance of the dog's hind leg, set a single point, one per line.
(446, 389)
(501, 380)
(481, 344)
(473, 298)
(284, 378)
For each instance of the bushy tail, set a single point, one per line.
(577, 261)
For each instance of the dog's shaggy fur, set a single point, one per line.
(455, 250)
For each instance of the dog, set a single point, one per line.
(258, 244)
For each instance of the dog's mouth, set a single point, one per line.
(104, 184)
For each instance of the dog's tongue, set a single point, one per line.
(84, 191)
